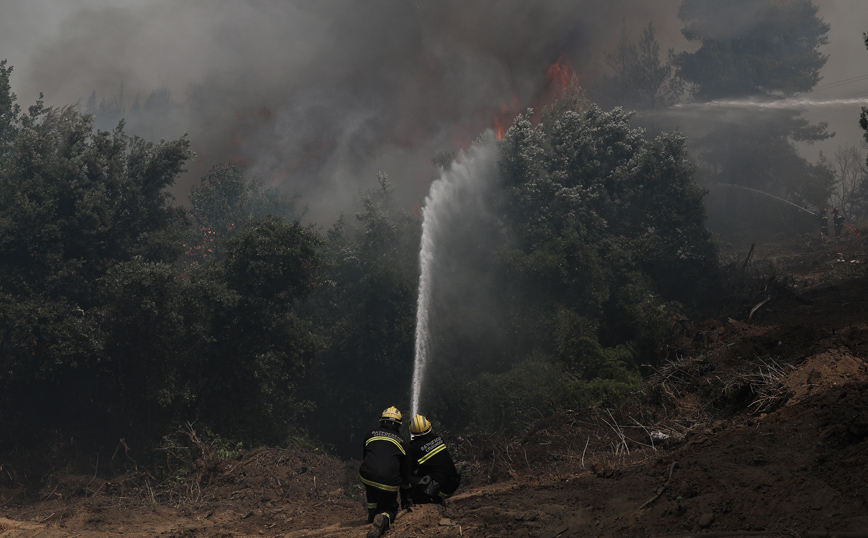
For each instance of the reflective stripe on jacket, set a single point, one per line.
(429, 457)
(385, 464)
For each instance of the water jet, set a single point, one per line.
(460, 191)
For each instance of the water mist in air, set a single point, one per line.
(462, 190)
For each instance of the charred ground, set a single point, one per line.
(756, 423)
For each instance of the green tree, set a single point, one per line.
(639, 79)
(756, 149)
(154, 326)
(261, 347)
(222, 203)
(852, 183)
(596, 190)
(102, 327)
(605, 239)
(221, 345)
(863, 116)
(751, 47)
(75, 203)
(9, 109)
(366, 312)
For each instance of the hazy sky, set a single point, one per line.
(845, 75)
(320, 95)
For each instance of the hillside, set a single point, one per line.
(757, 424)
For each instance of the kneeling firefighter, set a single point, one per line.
(433, 475)
(385, 468)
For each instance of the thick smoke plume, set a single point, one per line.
(316, 96)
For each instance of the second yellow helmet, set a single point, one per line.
(420, 425)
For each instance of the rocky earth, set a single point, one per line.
(756, 425)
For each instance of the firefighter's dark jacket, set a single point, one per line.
(429, 456)
(385, 464)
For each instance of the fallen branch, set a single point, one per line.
(662, 488)
(749, 256)
(754, 309)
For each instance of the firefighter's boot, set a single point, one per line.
(378, 527)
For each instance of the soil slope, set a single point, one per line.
(756, 426)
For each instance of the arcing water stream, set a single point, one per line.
(766, 194)
(461, 189)
(789, 103)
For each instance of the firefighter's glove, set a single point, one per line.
(406, 502)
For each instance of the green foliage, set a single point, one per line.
(221, 345)
(508, 401)
(272, 260)
(755, 48)
(639, 79)
(74, 201)
(760, 154)
(751, 47)
(9, 109)
(111, 312)
(863, 116)
(596, 190)
(599, 393)
(262, 348)
(608, 241)
(578, 351)
(365, 310)
(222, 203)
(76, 205)
(150, 327)
(101, 326)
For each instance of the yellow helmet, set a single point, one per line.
(420, 425)
(391, 415)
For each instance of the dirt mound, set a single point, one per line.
(755, 425)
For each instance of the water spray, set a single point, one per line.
(767, 194)
(779, 104)
(464, 187)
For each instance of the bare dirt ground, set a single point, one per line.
(756, 426)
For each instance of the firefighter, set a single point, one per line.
(433, 475)
(385, 469)
(823, 219)
(838, 221)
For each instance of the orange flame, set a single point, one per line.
(559, 74)
(245, 124)
(504, 119)
(558, 77)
